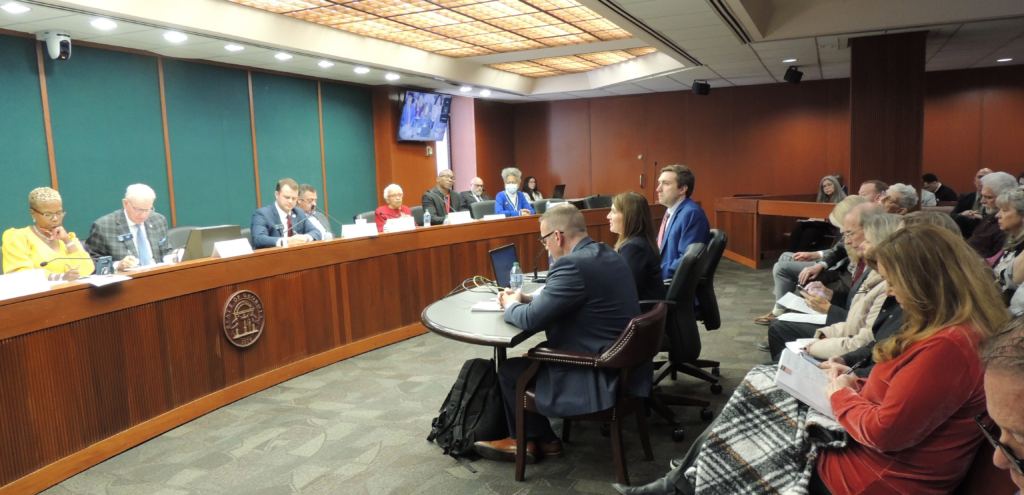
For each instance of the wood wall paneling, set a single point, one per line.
(618, 141)
(167, 142)
(533, 149)
(667, 124)
(495, 143)
(1002, 136)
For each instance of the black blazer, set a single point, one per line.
(889, 321)
(966, 203)
(433, 201)
(945, 193)
(646, 267)
(468, 199)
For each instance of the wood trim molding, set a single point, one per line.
(320, 111)
(45, 95)
(255, 156)
(167, 141)
(116, 444)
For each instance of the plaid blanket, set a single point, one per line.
(765, 441)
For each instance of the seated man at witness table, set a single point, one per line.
(898, 199)
(307, 201)
(475, 194)
(969, 209)
(684, 222)
(393, 209)
(987, 238)
(871, 190)
(1003, 357)
(441, 200)
(134, 235)
(281, 224)
(46, 242)
(584, 307)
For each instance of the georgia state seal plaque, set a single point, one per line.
(243, 318)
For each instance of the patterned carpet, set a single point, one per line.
(359, 426)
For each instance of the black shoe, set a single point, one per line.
(660, 486)
(674, 464)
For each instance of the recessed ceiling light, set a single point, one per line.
(174, 37)
(103, 24)
(466, 89)
(15, 8)
(485, 92)
(361, 70)
(282, 56)
(392, 76)
(325, 64)
(234, 48)
(789, 60)
(1004, 60)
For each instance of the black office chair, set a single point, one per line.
(367, 215)
(598, 201)
(480, 208)
(178, 236)
(707, 312)
(417, 214)
(541, 205)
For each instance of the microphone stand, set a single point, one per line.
(536, 260)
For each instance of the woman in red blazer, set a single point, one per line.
(911, 421)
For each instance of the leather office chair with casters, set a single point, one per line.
(178, 236)
(598, 201)
(480, 208)
(417, 215)
(366, 215)
(708, 312)
(638, 344)
(541, 205)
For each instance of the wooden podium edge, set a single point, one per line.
(96, 453)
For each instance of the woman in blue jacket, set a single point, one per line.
(512, 202)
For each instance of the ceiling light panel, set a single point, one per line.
(458, 28)
(584, 62)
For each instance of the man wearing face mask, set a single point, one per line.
(512, 202)
(441, 200)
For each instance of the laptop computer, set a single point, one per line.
(559, 192)
(502, 260)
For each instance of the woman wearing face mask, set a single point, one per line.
(46, 240)
(512, 202)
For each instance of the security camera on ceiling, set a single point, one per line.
(58, 44)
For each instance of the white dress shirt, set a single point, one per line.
(283, 241)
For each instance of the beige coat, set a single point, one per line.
(855, 332)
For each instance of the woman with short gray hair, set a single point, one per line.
(1009, 269)
(394, 208)
(512, 202)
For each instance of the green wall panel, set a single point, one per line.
(348, 150)
(211, 143)
(23, 162)
(107, 131)
(287, 131)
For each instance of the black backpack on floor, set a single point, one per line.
(472, 412)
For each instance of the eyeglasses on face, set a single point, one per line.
(544, 239)
(141, 211)
(1017, 464)
(53, 215)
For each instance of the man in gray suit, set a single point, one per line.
(135, 235)
(583, 308)
(307, 201)
(475, 194)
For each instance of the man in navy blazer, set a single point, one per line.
(281, 223)
(685, 222)
(584, 307)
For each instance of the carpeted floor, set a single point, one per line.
(360, 426)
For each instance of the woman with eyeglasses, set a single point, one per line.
(46, 241)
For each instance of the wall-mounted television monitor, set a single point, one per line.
(424, 117)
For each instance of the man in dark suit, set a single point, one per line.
(135, 235)
(475, 194)
(942, 192)
(684, 223)
(281, 223)
(441, 200)
(307, 201)
(584, 307)
(969, 209)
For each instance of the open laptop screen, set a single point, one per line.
(559, 192)
(502, 260)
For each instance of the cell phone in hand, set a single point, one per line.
(809, 358)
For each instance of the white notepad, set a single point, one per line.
(804, 381)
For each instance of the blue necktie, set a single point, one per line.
(145, 253)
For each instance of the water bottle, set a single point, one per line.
(426, 218)
(515, 277)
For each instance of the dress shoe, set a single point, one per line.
(674, 464)
(553, 448)
(660, 486)
(505, 450)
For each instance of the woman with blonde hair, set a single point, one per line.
(630, 217)
(46, 241)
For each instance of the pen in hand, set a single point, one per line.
(856, 365)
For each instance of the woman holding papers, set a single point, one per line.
(45, 241)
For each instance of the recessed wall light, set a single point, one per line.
(789, 60)
(15, 8)
(361, 70)
(325, 64)
(283, 56)
(1004, 60)
(103, 24)
(485, 92)
(466, 89)
(392, 76)
(175, 37)
(234, 48)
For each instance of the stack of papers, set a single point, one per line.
(804, 381)
(490, 305)
(803, 312)
(798, 345)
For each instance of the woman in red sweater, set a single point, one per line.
(911, 421)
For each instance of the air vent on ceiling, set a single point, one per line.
(649, 30)
(730, 20)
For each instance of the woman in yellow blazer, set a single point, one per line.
(46, 240)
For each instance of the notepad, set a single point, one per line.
(804, 381)
(489, 306)
(798, 345)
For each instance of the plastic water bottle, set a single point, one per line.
(515, 277)
(426, 218)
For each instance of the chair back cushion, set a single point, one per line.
(709, 312)
(598, 201)
(480, 208)
(417, 214)
(638, 343)
(681, 324)
(541, 205)
(178, 236)
(366, 215)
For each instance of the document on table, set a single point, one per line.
(490, 306)
(804, 381)
(101, 280)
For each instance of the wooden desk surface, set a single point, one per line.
(87, 373)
